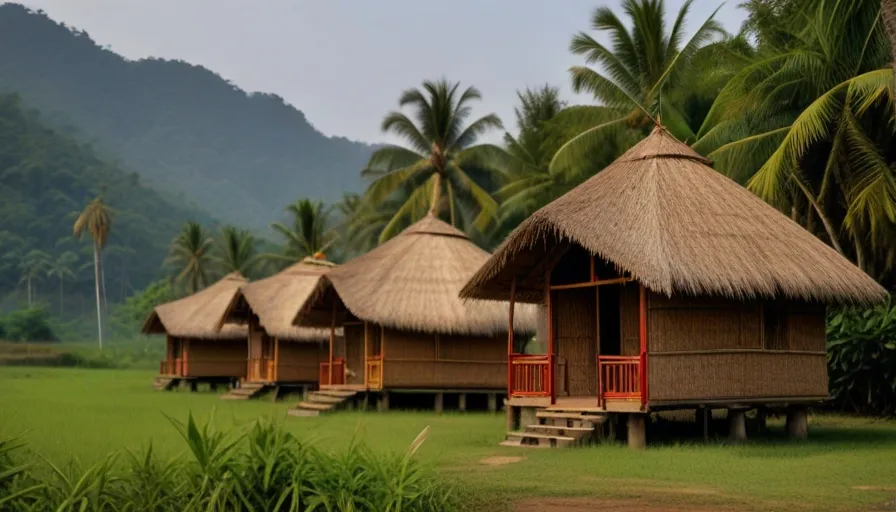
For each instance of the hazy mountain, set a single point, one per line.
(241, 156)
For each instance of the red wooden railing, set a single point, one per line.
(260, 370)
(171, 367)
(338, 372)
(530, 375)
(375, 372)
(620, 378)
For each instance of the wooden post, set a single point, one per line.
(797, 423)
(439, 404)
(642, 324)
(637, 431)
(382, 357)
(383, 403)
(276, 365)
(493, 402)
(703, 416)
(547, 298)
(462, 402)
(332, 341)
(510, 347)
(510, 414)
(737, 425)
(366, 343)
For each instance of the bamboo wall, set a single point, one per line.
(428, 361)
(575, 341)
(216, 358)
(719, 349)
(299, 361)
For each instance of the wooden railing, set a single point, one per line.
(261, 370)
(171, 367)
(375, 372)
(529, 375)
(620, 378)
(338, 372)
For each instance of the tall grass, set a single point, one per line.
(264, 469)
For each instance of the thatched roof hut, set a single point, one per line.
(276, 299)
(411, 283)
(201, 315)
(663, 215)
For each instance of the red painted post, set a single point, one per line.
(547, 292)
(642, 320)
(510, 338)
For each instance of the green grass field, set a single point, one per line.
(849, 463)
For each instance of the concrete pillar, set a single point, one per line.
(462, 402)
(511, 415)
(797, 423)
(528, 416)
(383, 402)
(737, 424)
(304, 391)
(637, 431)
(439, 405)
(492, 402)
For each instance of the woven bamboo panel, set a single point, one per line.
(629, 310)
(300, 361)
(686, 324)
(469, 348)
(695, 377)
(217, 358)
(409, 345)
(806, 331)
(575, 340)
(444, 374)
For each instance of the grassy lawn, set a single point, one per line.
(849, 463)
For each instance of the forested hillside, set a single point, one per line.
(46, 179)
(182, 127)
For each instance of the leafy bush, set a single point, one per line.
(861, 345)
(30, 324)
(267, 469)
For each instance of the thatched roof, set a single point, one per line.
(200, 315)
(411, 283)
(276, 300)
(662, 214)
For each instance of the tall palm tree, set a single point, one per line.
(888, 13)
(96, 219)
(442, 167)
(62, 268)
(642, 62)
(236, 251)
(33, 267)
(191, 252)
(309, 233)
(805, 128)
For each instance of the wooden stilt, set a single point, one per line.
(737, 425)
(462, 402)
(439, 404)
(637, 431)
(797, 423)
(493, 402)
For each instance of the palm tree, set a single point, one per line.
(888, 13)
(805, 130)
(61, 269)
(191, 251)
(308, 235)
(634, 72)
(236, 251)
(96, 219)
(33, 266)
(442, 167)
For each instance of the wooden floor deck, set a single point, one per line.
(576, 404)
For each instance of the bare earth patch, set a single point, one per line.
(500, 460)
(597, 504)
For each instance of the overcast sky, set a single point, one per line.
(345, 62)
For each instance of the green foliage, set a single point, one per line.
(181, 127)
(30, 324)
(269, 470)
(862, 358)
(308, 233)
(191, 256)
(236, 251)
(127, 317)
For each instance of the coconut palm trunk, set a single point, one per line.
(888, 13)
(96, 278)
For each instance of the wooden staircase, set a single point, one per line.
(246, 391)
(322, 401)
(558, 430)
(163, 383)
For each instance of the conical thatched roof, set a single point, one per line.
(200, 315)
(662, 214)
(276, 299)
(412, 282)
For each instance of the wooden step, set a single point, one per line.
(230, 396)
(324, 399)
(531, 438)
(247, 391)
(314, 406)
(303, 412)
(337, 393)
(165, 383)
(558, 429)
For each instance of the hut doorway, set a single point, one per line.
(354, 353)
(609, 321)
(575, 337)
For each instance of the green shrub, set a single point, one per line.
(861, 345)
(266, 469)
(31, 324)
